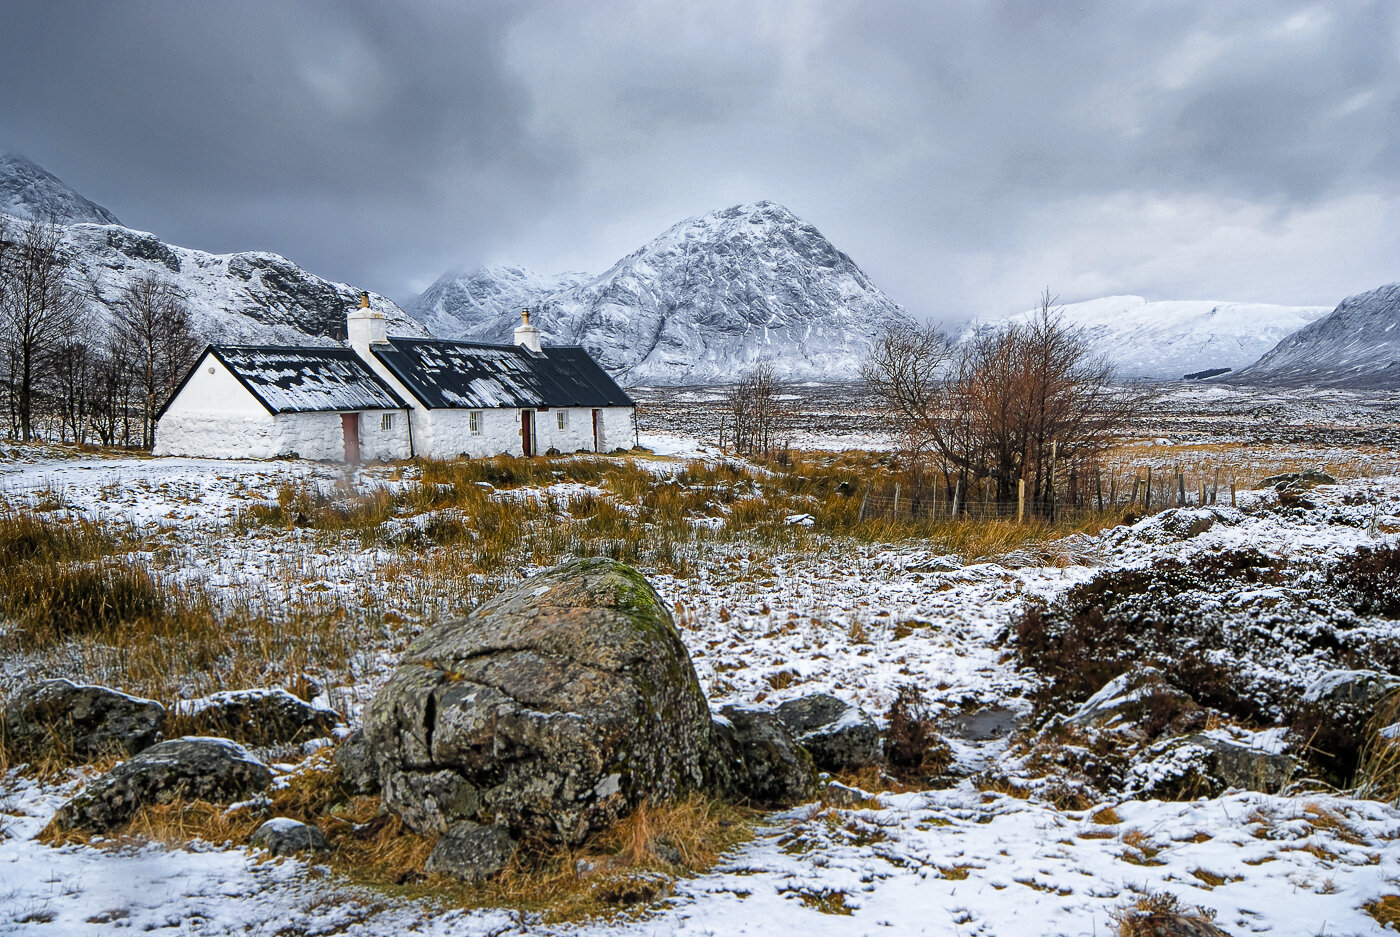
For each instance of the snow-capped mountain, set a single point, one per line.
(460, 305)
(1165, 340)
(250, 297)
(30, 191)
(706, 302)
(1357, 345)
(247, 297)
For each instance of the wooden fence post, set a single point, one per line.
(1201, 490)
(860, 518)
(1232, 492)
(957, 494)
(1021, 501)
(1147, 492)
(896, 500)
(1113, 491)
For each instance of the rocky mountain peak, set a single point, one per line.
(27, 190)
(705, 301)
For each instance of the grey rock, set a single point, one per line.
(283, 836)
(194, 768)
(1355, 688)
(1192, 766)
(1126, 699)
(836, 734)
(470, 852)
(59, 717)
(1297, 480)
(555, 708)
(765, 764)
(259, 717)
(355, 758)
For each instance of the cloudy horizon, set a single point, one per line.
(965, 155)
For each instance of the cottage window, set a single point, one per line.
(563, 417)
(474, 422)
(386, 421)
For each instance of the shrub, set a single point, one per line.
(913, 748)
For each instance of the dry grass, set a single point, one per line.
(1152, 914)
(1378, 774)
(623, 868)
(1385, 910)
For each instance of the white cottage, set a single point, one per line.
(394, 398)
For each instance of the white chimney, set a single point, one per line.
(526, 334)
(365, 326)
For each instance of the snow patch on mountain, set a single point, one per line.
(27, 190)
(250, 297)
(1164, 340)
(706, 302)
(484, 305)
(1357, 346)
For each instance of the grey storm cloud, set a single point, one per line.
(966, 154)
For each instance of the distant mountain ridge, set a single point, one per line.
(249, 297)
(705, 302)
(1168, 339)
(27, 190)
(455, 305)
(1357, 346)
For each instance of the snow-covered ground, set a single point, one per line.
(853, 619)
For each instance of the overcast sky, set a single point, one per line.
(965, 154)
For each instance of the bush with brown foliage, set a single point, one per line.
(913, 747)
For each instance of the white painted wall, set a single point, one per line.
(450, 434)
(215, 416)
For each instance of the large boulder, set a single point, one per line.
(62, 718)
(1140, 703)
(470, 852)
(195, 768)
(358, 769)
(761, 761)
(1206, 764)
(554, 709)
(269, 716)
(838, 736)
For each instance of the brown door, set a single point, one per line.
(597, 430)
(527, 432)
(350, 426)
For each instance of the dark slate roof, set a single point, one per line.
(305, 380)
(468, 375)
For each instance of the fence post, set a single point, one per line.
(1113, 491)
(1020, 501)
(1201, 490)
(896, 500)
(1098, 486)
(1232, 492)
(957, 494)
(1147, 492)
(860, 518)
(1181, 488)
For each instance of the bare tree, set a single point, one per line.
(754, 411)
(154, 335)
(39, 313)
(1004, 406)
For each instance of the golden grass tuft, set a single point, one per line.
(1385, 910)
(1152, 914)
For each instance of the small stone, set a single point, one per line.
(269, 716)
(357, 766)
(283, 836)
(765, 763)
(470, 852)
(839, 736)
(60, 717)
(215, 770)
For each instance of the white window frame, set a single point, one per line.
(475, 419)
(386, 422)
(561, 419)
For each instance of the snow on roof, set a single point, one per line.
(306, 380)
(445, 374)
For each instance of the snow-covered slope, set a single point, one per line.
(1358, 345)
(460, 305)
(710, 299)
(250, 297)
(1165, 340)
(30, 191)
